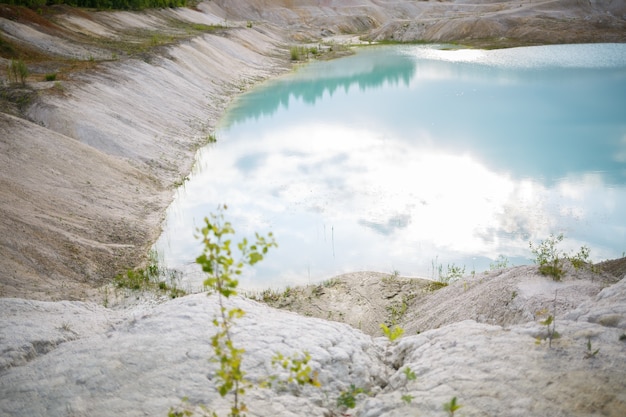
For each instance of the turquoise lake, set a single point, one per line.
(401, 158)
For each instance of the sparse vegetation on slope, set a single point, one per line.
(550, 258)
(105, 4)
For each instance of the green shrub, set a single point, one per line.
(580, 259)
(347, 398)
(294, 52)
(548, 257)
(151, 278)
(28, 3)
(133, 280)
(332, 282)
(409, 376)
(392, 333)
(17, 71)
(299, 53)
(51, 77)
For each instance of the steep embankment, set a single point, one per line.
(89, 169)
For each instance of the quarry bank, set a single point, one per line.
(89, 163)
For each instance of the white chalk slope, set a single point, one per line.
(74, 359)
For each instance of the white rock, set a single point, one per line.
(150, 360)
(144, 360)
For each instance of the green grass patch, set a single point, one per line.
(152, 278)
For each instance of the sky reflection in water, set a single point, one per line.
(399, 157)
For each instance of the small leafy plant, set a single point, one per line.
(217, 260)
(298, 370)
(347, 398)
(409, 376)
(132, 279)
(332, 282)
(549, 321)
(393, 334)
(550, 324)
(222, 270)
(548, 257)
(267, 296)
(451, 407)
(590, 353)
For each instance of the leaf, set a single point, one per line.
(547, 321)
(392, 334)
(409, 374)
(255, 257)
(407, 398)
(451, 406)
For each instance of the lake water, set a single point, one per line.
(401, 158)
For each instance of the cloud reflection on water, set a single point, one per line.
(346, 186)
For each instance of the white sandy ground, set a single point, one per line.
(81, 359)
(88, 167)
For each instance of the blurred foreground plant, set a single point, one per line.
(451, 406)
(222, 270)
(217, 260)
